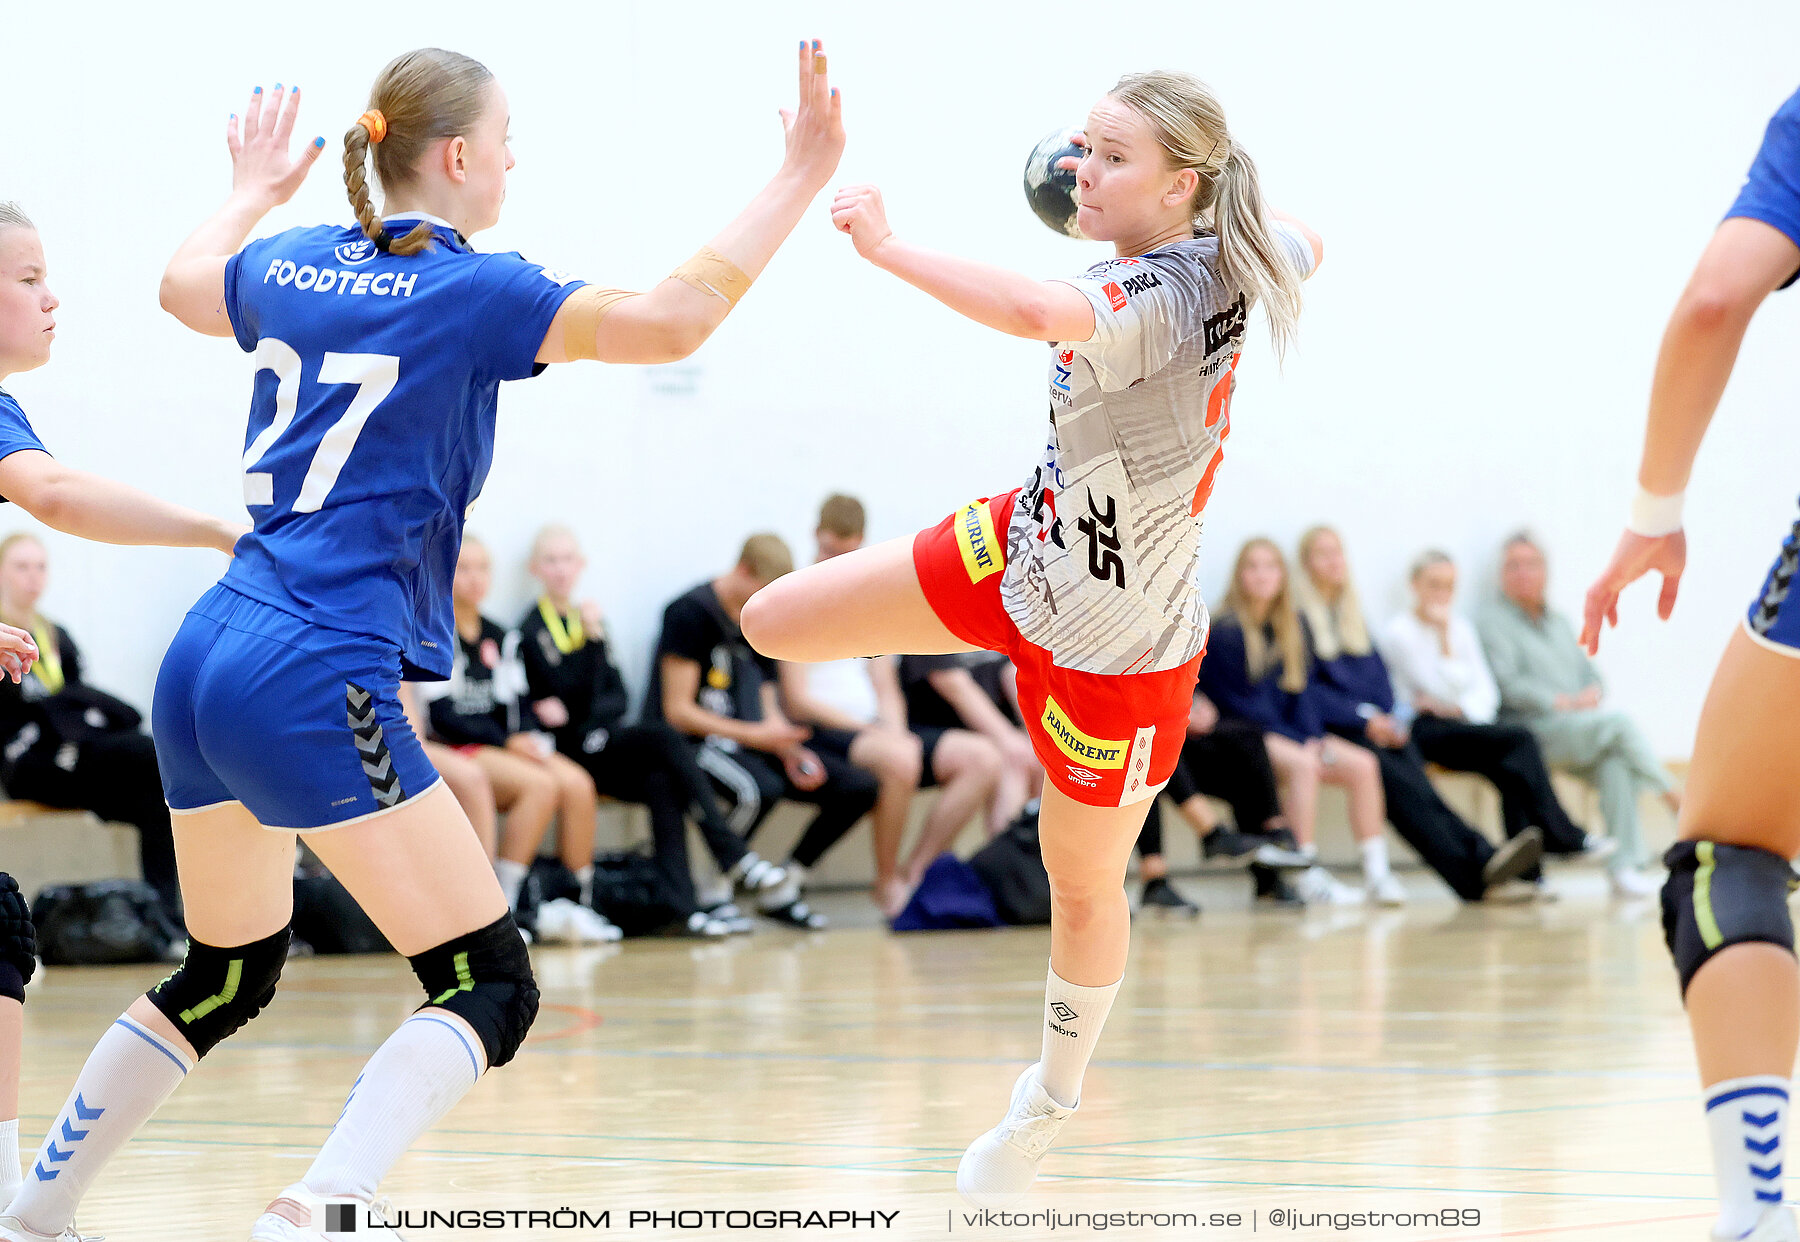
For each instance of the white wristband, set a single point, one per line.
(1654, 516)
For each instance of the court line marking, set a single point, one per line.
(1071, 1177)
(847, 1058)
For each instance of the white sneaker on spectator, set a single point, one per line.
(590, 926)
(703, 926)
(1318, 887)
(1387, 891)
(1629, 882)
(568, 922)
(1594, 848)
(757, 875)
(735, 921)
(786, 891)
(999, 1167)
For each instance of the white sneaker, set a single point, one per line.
(553, 924)
(1595, 848)
(1629, 882)
(784, 892)
(1387, 891)
(757, 875)
(569, 922)
(1776, 1225)
(1318, 887)
(1000, 1166)
(298, 1215)
(593, 927)
(12, 1229)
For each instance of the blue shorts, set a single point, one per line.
(1774, 617)
(301, 724)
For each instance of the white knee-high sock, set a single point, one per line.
(1747, 1118)
(130, 1072)
(9, 1161)
(413, 1079)
(1073, 1017)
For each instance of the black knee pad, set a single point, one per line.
(485, 979)
(18, 940)
(1719, 895)
(218, 990)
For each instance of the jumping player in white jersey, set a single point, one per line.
(1087, 575)
(1725, 905)
(379, 348)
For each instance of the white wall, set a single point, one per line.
(1511, 197)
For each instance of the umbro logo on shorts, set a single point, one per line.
(1081, 776)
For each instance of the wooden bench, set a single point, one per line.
(42, 845)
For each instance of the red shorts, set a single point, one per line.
(1103, 740)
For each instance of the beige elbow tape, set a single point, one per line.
(587, 306)
(713, 274)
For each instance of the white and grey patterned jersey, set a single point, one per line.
(1103, 550)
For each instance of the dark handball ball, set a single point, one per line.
(1049, 189)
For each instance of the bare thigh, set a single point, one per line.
(863, 603)
(418, 871)
(1741, 788)
(512, 776)
(237, 877)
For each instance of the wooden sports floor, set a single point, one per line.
(1529, 1063)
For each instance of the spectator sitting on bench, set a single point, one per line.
(69, 745)
(710, 685)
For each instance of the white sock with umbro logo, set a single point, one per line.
(1073, 1016)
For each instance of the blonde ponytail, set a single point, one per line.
(1189, 123)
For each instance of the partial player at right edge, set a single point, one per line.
(1725, 906)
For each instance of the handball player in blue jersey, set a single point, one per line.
(377, 350)
(1725, 905)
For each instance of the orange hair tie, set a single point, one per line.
(375, 123)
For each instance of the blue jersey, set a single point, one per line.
(372, 421)
(1771, 193)
(15, 429)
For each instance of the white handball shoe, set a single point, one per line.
(1387, 891)
(1000, 1166)
(1776, 1225)
(12, 1229)
(298, 1215)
